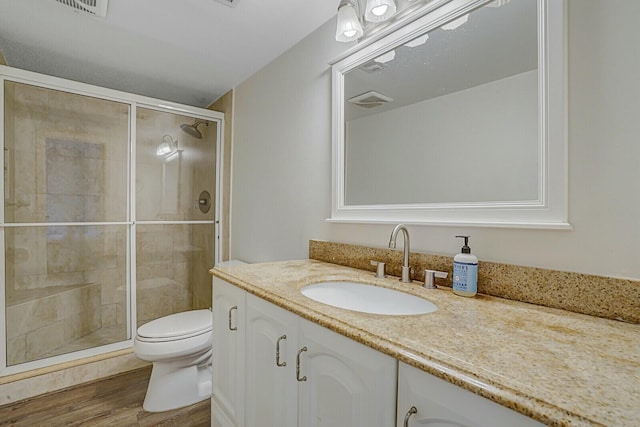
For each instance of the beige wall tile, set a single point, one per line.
(108, 315)
(29, 316)
(16, 350)
(44, 339)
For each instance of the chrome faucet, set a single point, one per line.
(406, 270)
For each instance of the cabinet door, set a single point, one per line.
(229, 311)
(271, 345)
(347, 384)
(439, 403)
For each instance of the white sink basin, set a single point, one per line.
(367, 298)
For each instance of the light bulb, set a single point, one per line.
(163, 149)
(348, 27)
(380, 10)
(166, 146)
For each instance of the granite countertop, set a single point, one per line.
(558, 367)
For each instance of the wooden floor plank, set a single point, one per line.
(115, 401)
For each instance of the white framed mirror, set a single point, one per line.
(456, 118)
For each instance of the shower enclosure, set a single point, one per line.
(109, 216)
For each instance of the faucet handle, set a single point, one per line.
(430, 278)
(380, 269)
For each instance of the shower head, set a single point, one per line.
(192, 129)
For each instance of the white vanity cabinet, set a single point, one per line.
(229, 315)
(347, 383)
(272, 368)
(271, 346)
(318, 378)
(301, 374)
(424, 399)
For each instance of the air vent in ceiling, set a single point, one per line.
(93, 7)
(230, 3)
(370, 99)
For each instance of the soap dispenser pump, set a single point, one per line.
(465, 271)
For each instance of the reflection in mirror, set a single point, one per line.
(456, 117)
(450, 116)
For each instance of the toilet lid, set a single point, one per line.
(185, 324)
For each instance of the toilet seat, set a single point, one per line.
(176, 326)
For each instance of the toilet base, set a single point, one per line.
(174, 386)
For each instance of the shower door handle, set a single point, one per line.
(232, 328)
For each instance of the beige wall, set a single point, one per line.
(224, 104)
(282, 158)
(2, 60)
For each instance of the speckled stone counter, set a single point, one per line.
(613, 298)
(558, 367)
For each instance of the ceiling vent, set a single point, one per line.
(370, 99)
(92, 7)
(230, 3)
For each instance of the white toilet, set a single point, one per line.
(180, 347)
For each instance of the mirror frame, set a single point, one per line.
(550, 211)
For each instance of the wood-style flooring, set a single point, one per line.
(115, 401)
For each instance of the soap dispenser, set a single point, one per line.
(465, 271)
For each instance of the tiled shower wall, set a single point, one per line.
(170, 259)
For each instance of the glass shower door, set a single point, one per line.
(175, 227)
(66, 222)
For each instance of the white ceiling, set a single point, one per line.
(186, 51)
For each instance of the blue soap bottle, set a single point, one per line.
(465, 271)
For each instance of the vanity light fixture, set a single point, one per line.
(349, 23)
(348, 27)
(379, 10)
